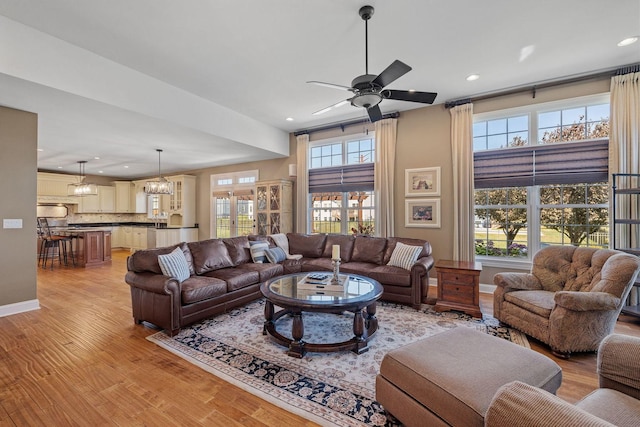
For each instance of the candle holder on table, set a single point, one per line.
(335, 280)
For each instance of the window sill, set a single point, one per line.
(518, 264)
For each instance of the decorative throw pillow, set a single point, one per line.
(257, 251)
(175, 265)
(404, 256)
(275, 255)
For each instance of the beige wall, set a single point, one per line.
(18, 163)
(423, 141)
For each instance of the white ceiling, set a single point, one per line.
(211, 81)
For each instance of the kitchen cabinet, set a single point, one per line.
(117, 240)
(127, 236)
(181, 205)
(173, 236)
(274, 207)
(139, 197)
(103, 202)
(52, 188)
(140, 238)
(96, 248)
(124, 197)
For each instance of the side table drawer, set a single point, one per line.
(462, 279)
(462, 294)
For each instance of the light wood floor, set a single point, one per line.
(80, 360)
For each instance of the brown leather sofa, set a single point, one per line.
(369, 257)
(224, 276)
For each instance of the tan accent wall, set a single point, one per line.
(18, 163)
(423, 141)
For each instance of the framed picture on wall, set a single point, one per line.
(422, 213)
(422, 182)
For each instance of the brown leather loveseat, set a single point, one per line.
(223, 276)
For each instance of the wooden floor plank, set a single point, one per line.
(81, 360)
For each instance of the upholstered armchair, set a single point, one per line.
(615, 403)
(570, 300)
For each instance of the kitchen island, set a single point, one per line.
(91, 246)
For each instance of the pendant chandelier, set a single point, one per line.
(161, 185)
(82, 188)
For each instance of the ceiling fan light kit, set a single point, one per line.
(369, 89)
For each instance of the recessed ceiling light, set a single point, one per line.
(472, 77)
(59, 167)
(289, 119)
(39, 149)
(96, 158)
(411, 90)
(126, 167)
(627, 41)
(100, 171)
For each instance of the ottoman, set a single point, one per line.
(450, 378)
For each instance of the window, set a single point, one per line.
(232, 204)
(541, 178)
(341, 181)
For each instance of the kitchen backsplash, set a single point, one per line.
(87, 218)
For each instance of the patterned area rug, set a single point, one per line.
(332, 389)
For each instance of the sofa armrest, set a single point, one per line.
(156, 283)
(517, 282)
(422, 265)
(586, 301)
(520, 404)
(619, 364)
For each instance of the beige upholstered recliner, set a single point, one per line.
(570, 300)
(615, 403)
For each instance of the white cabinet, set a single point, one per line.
(126, 231)
(124, 197)
(139, 197)
(182, 203)
(52, 188)
(104, 202)
(140, 238)
(173, 236)
(117, 239)
(274, 207)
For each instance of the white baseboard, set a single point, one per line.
(19, 307)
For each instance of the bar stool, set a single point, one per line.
(55, 242)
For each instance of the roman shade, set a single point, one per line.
(358, 177)
(557, 163)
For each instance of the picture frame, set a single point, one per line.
(423, 213)
(422, 182)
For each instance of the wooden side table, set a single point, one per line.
(459, 286)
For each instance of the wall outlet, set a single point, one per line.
(12, 223)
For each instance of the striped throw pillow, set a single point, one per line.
(175, 265)
(275, 255)
(258, 249)
(404, 256)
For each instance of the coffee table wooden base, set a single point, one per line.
(363, 330)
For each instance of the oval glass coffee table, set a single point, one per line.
(295, 295)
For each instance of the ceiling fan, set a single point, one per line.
(369, 89)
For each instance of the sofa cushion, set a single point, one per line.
(275, 255)
(392, 241)
(308, 245)
(209, 255)
(344, 241)
(404, 256)
(369, 249)
(265, 270)
(236, 278)
(175, 265)
(611, 405)
(200, 288)
(539, 302)
(147, 260)
(238, 248)
(257, 249)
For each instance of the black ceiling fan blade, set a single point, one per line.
(394, 71)
(410, 95)
(331, 85)
(374, 113)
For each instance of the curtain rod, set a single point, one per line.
(343, 125)
(535, 86)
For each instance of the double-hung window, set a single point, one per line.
(541, 178)
(341, 186)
